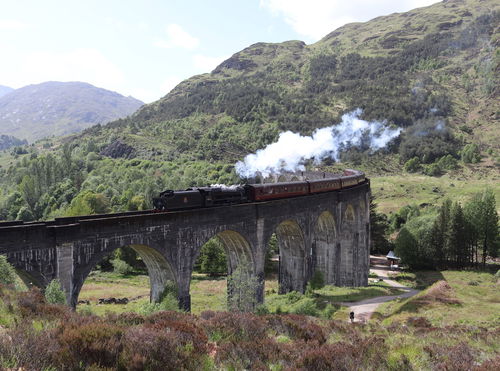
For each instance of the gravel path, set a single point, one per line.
(364, 309)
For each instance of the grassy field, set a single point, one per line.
(394, 191)
(210, 293)
(458, 298)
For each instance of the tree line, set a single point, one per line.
(457, 237)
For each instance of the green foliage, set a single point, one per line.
(7, 272)
(317, 280)
(88, 203)
(137, 202)
(454, 237)
(242, 288)
(379, 229)
(433, 170)
(54, 293)
(482, 217)
(121, 267)
(470, 153)
(403, 215)
(24, 214)
(412, 165)
(168, 301)
(212, 259)
(406, 247)
(270, 266)
(427, 140)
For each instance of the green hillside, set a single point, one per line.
(429, 64)
(432, 71)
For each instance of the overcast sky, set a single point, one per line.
(144, 48)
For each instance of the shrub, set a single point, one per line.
(242, 288)
(458, 357)
(297, 327)
(88, 341)
(433, 170)
(7, 272)
(27, 349)
(248, 355)
(470, 154)
(32, 304)
(447, 162)
(54, 293)
(150, 348)
(168, 302)
(306, 307)
(121, 267)
(317, 280)
(228, 326)
(412, 165)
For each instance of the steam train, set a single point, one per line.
(198, 197)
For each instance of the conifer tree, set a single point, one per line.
(457, 241)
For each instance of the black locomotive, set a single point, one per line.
(193, 198)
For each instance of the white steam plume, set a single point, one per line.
(292, 149)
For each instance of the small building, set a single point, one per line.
(392, 259)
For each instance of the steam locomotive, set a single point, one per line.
(193, 198)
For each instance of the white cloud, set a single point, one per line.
(314, 19)
(87, 65)
(12, 25)
(177, 37)
(204, 63)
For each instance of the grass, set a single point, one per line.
(394, 191)
(461, 298)
(210, 293)
(326, 301)
(417, 280)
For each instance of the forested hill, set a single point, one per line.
(431, 65)
(58, 108)
(432, 71)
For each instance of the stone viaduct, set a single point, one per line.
(329, 232)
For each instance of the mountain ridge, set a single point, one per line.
(59, 108)
(429, 64)
(5, 90)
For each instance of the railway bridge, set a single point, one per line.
(329, 232)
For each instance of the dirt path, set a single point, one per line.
(364, 309)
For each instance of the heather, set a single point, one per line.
(48, 336)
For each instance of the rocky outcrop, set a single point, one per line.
(118, 149)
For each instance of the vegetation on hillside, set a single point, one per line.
(450, 236)
(411, 76)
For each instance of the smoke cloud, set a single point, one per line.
(292, 149)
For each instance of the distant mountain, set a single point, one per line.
(4, 90)
(7, 141)
(59, 108)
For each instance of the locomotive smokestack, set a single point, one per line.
(292, 149)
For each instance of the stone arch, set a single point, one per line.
(281, 179)
(295, 179)
(160, 271)
(31, 279)
(239, 255)
(292, 264)
(324, 247)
